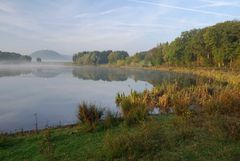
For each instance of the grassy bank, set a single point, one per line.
(160, 138)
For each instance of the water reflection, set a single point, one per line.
(47, 73)
(13, 72)
(103, 73)
(100, 73)
(119, 74)
(54, 91)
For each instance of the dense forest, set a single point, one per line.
(7, 57)
(215, 46)
(99, 57)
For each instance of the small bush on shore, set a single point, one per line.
(89, 114)
(133, 112)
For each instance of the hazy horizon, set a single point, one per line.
(132, 25)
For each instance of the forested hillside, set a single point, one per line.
(8, 57)
(99, 57)
(215, 46)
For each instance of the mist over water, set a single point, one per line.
(53, 91)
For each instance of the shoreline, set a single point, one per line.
(223, 75)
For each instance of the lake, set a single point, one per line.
(52, 92)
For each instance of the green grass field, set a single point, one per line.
(160, 138)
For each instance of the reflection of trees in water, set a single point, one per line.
(108, 74)
(38, 72)
(47, 73)
(99, 73)
(158, 77)
(117, 74)
(13, 72)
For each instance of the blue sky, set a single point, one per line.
(69, 26)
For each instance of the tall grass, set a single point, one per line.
(226, 102)
(185, 100)
(89, 114)
(132, 108)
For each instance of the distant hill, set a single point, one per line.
(49, 55)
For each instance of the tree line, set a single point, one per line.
(214, 46)
(14, 57)
(99, 57)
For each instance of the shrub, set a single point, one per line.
(164, 103)
(181, 104)
(89, 114)
(133, 112)
(226, 102)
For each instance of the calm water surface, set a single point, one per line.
(53, 92)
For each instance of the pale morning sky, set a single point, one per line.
(68, 26)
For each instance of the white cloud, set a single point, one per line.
(213, 3)
(185, 8)
(102, 13)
